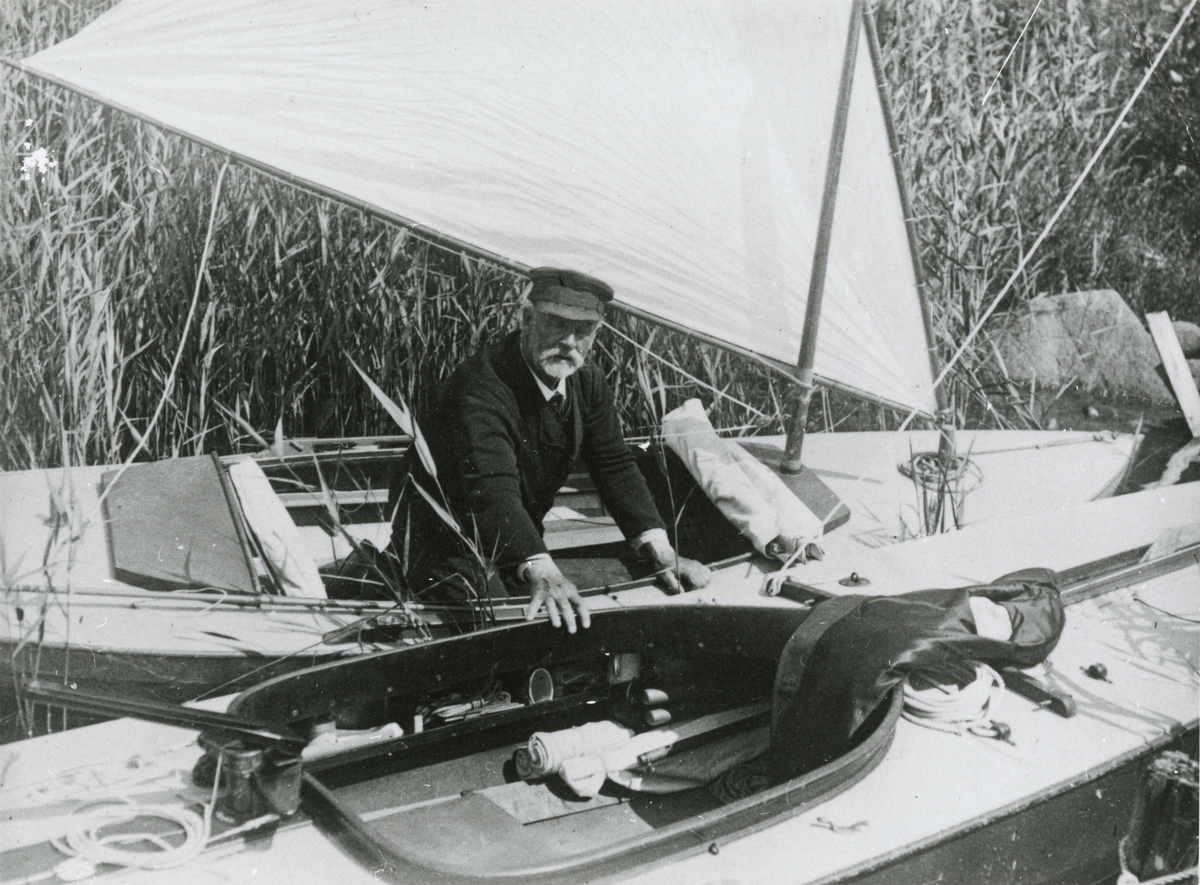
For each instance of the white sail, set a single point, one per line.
(675, 148)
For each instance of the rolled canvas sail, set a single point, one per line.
(675, 148)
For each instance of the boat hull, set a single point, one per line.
(182, 647)
(936, 807)
(1066, 836)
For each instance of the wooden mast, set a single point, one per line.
(803, 391)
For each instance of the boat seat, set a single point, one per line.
(277, 535)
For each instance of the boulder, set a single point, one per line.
(1091, 338)
(1189, 338)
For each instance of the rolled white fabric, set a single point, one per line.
(746, 491)
(585, 756)
(549, 750)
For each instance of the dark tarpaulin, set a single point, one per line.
(842, 662)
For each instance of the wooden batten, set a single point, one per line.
(1176, 367)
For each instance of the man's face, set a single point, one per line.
(554, 345)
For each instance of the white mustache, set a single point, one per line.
(574, 357)
(557, 364)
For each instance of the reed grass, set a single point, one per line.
(991, 146)
(99, 253)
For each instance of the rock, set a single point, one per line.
(1189, 338)
(1091, 338)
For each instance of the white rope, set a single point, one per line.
(85, 847)
(946, 707)
(84, 839)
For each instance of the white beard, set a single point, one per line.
(558, 367)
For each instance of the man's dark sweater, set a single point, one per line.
(502, 455)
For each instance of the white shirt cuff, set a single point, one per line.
(523, 568)
(651, 535)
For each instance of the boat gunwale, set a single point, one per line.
(217, 597)
(591, 636)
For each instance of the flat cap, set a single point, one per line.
(569, 293)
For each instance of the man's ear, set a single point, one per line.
(526, 315)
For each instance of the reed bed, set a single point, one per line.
(99, 252)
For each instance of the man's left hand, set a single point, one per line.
(678, 573)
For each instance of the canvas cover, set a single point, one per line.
(675, 148)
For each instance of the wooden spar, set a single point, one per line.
(802, 395)
(1176, 368)
(260, 733)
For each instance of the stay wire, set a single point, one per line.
(1027, 257)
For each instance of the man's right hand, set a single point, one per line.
(548, 586)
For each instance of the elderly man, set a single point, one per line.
(507, 428)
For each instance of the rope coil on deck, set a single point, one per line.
(949, 708)
(85, 846)
(85, 840)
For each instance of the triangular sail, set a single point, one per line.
(675, 148)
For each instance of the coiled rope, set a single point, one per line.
(932, 702)
(85, 840)
(85, 846)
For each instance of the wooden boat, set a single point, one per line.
(842, 289)
(104, 607)
(93, 621)
(904, 805)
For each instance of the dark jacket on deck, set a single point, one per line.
(501, 457)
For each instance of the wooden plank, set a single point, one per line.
(1176, 367)
(530, 803)
(344, 498)
(563, 534)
